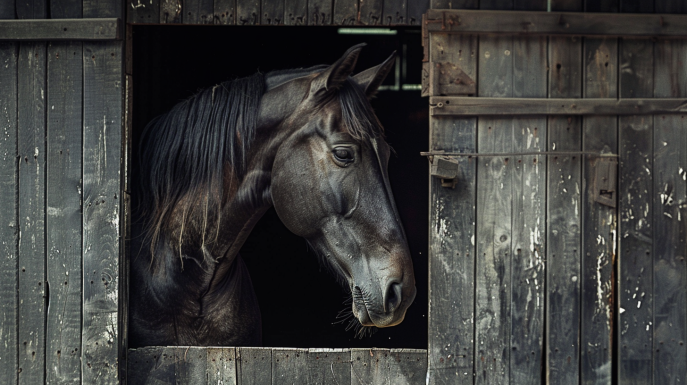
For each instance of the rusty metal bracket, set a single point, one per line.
(605, 181)
(445, 168)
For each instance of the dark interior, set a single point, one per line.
(299, 299)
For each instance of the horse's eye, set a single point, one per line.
(343, 154)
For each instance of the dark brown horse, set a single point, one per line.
(305, 141)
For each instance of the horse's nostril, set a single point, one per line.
(393, 296)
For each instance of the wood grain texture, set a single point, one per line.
(63, 29)
(453, 64)
(9, 231)
(63, 225)
(319, 12)
(407, 366)
(394, 12)
(247, 12)
(151, 365)
(370, 366)
(416, 9)
(66, 9)
(31, 151)
(563, 231)
(295, 12)
(221, 366)
(670, 279)
(345, 12)
(142, 11)
(190, 365)
(31, 9)
(103, 8)
(272, 12)
(7, 10)
(289, 366)
(254, 366)
(225, 12)
(102, 156)
(600, 221)
(370, 12)
(198, 11)
(635, 210)
(170, 11)
(329, 366)
(452, 233)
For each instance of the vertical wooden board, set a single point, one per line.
(563, 234)
(530, 67)
(319, 12)
(102, 156)
(225, 12)
(63, 225)
(289, 366)
(66, 9)
(198, 11)
(31, 147)
(345, 12)
(670, 6)
(601, 5)
(103, 8)
(496, 4)
(170, 11)
(495, 74)
(7, 10)
(190, 365)
(295, 12)
(394, 12)
(370, 366)
(154, 365)
(370, 12)
(247, 12)
(669, 186)
(567, 5)
(143, 11)
(600, 221)
(407, 367)
(272, 12)
(416, 8)
(254, 366)
(8, 211)
(221, 366)
(125, 224)
(329, 366)
(530, 5)
(636, 231)
(636, 6)
(31, 9)
(452, 231)
(454, 4)
(460, 51)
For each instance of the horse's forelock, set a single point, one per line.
(359, 120)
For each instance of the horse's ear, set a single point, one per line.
(373, 77)
(336, 74)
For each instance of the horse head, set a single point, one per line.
(329, 184)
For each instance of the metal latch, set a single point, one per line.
(446, 168)
(605, 180)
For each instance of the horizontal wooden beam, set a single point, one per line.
(474, 106)
(555, 23)
(60, 29)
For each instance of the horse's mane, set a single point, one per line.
(184, 153)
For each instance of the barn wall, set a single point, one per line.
(547, 283)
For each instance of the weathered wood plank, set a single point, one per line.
(370, 366)
(225, 12)
(62, 29)
(600, 221)
(454, 4)
(272, 12)
(370, 12)
(529, 207)
(319, 12)
(247, 12)
(102, 156)
(395, 12)
(221, 366)
(63, 225)
(670, 278)
(254, 366)
(563, 230)
(171, 11)
(31, 9)
(416, 8)
(142, 11)
(452, 233)
(31, 148)
(295, 12)
(9, 231)
(407, 366)
(453, 64)
(556, 23)
(198, 11)
(103, 8)
(154, 365)
(466, 106)
(7, 10)
(190, 365)
(345, 12)
(289, 366)
(63, 9)
(636, 230)
(329, 366)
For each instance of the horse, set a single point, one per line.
(304, 141)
